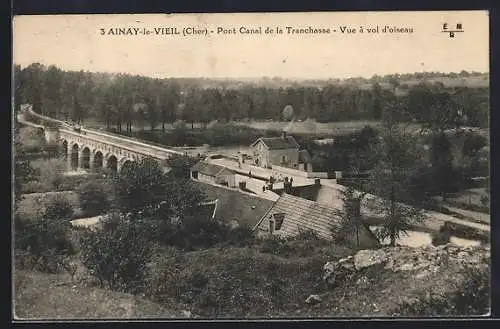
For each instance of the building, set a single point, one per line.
(212, 173)
(290, 215)
(281, 151)
(233, 207)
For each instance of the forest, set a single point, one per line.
(119, 100)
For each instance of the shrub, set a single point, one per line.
(273, 245)
(94, 197)
(51, 174)
(43, 244)
(198, 232)
(117, 257)
(240, 236)
(442, 236)
(470, 298)
(58, 208)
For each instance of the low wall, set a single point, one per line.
(299, 173)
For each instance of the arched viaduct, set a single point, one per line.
(94, 150)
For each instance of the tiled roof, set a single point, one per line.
(304, 157)
(279, 143)
(302, 214)
(209, 169)
(233, 205)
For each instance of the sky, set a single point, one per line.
(74, 42)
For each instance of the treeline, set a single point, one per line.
(121, 99)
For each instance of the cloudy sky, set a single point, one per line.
(74, 42)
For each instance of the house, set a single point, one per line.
(212, 173)
(290, 215)
(282, 151)
(234, 207)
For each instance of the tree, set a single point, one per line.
(23, 172)
(441, 162)
(397, 161)
(140, 186)
(350, 215)
(94, 197)
(118, 255)
(180, 165)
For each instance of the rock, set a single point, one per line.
(423, 274)
(186, 314)
(313, 299)
(367, 258)
(405, 267)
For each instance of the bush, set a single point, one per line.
(117, 256)
(240, 236)
(195, 233)
(58, 208)
(442, 236)
(51, 174)
(43, 244)
(95, 197)
(273, 245)
(470, 298)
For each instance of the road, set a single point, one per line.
(480, 217)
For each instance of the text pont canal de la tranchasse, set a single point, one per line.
(243, 30)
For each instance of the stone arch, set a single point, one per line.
(74, 156)
(112, 162)
(85, 158)
(124, 161)
(98, 160)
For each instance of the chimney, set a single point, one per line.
(283, 134)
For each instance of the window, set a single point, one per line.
(195, 174)
(283, 158)
(271, 226)
(278, 220)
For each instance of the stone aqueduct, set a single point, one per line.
(91, 149)
(94, 150)
(88, 153)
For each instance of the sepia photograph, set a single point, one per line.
(251, 166)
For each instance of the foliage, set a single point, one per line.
(240, 236)
(50, 174)
(350, 216)
(232, 282)
(44, 243)
(118, 99)
(118, 255)
(180, 165)
(23, 172)
(140, 186)
(397, 162)
(95, 197)
(470, 298)
(59, 208)
(442, 236)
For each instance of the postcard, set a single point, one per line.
(251, 166)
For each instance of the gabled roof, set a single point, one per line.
(278, 143)
(304, 156)
(233, 205)
(302, 214)
(210, 169)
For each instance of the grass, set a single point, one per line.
(46, 296)
(34, 204)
